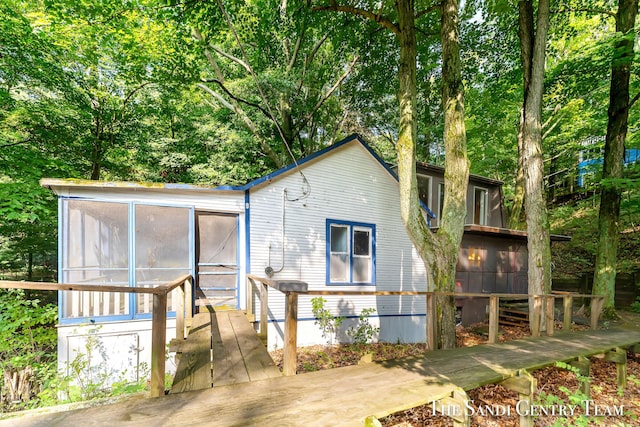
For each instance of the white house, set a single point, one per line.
(331, 220)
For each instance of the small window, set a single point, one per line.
(350, 253)
(424, 189)
(480, 203)
(440, 201)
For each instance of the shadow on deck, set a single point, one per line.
(222, 348)
(347, 396)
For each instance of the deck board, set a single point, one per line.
(222, 348)
(194, 369)
(259, 365)
(228, 366)
(345, 396)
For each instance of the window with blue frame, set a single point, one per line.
(350, 252)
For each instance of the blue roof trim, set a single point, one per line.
(304, 160)
(347, 140)
(430, 214)
(291, 166)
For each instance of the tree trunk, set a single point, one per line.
(538, 242)
(610, 193)
(526, 35)
(456, 170)
(438, 251)
(30, 267)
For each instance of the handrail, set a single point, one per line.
(292, 292)
(158, 315)
(41, 286)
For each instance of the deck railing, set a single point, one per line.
(292, 289)
(158, 314)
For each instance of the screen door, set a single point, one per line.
(217, 260)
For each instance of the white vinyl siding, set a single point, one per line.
(347, 183)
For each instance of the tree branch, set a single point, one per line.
(375, 17)
(327, 95)
(231, 57)
(129, 95)
(236, 98)
(13, 144)
(633, 100)
(296, 51)
(216, 95)
(586, 10)
(437, 6)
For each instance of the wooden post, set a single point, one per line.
(525, 385)
(290, 333)
(249, 311)
(158, 342)
(596, 308)
(180, 306)
(431, 321)
(583, 364)
(534, 324)
(619, 356)
(493, 318)
(188, 296)
(567, 303)
(550, 314)
(264, 313)
(455, 406)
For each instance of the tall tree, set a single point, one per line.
(533, 57)
(438, 250)
(276, 72)
(610, 189)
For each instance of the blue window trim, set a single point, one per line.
(132, 315)
(350, 224)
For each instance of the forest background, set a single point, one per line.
(187, 91)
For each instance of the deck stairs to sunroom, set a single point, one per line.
(222, 348)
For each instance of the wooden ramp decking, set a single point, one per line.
(222, 348)
(345, 396)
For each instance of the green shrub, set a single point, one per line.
(363, 332)
(329, 324)
(28, 340)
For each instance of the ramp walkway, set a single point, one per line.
(346, 396)
(222, 348)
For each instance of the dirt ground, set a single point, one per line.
(493, 405)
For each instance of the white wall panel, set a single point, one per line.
(346, 184)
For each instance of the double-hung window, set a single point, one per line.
(350, 252)
(480, 205)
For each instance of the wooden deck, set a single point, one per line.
(345, 396)
(222, 348)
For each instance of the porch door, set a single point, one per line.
(217, 260)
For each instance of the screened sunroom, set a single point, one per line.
(133, 243)
(121, 244)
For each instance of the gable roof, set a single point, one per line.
(291, 168)
(354, 138)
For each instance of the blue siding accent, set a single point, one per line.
(132, 257)
(379, 316)
(238, 258)
(192, 255)
(350, 224)
(247, 231)
(60, 254)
